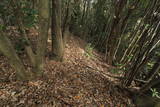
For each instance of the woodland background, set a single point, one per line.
(39, 35)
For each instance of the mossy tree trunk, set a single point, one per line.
(43, 34)
(8, 50)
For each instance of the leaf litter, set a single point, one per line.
(65, 84)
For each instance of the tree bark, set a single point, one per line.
(65, 25)
(21, 28)
(7, 49)
(142, 58)
(57, 40)
(115, 31)
(43, 34)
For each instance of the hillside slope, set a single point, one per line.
(75, 82)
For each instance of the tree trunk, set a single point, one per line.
(142, 58)
(57, 40)
(19, 21)
(7, 49)
(65, 22)
(115, 31)
(43, 34)
(65, 25)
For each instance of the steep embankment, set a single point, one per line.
(71, 83)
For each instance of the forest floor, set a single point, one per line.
(78, 81)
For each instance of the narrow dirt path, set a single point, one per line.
(66, 84)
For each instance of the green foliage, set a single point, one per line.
(150, 64)
(28, 14)
(130, 57)
(89, 50)
(6, 13)
(155, 93)
(116, 70)
(30, 17)
(1, 27)
(11, 12)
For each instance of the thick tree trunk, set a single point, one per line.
(57, 40)
(43, 34)
(28, 47)
(19, 15)
(7, 49)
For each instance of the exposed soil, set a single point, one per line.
(71, 83)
